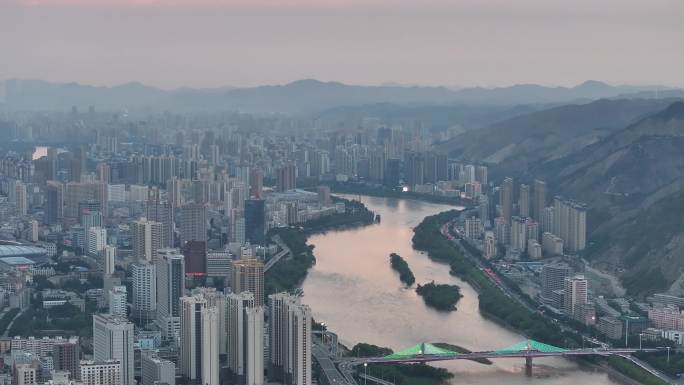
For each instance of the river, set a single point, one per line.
(355, 292)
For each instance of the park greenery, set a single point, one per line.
(634, 372)
(400, 265)
(65, 319)
(399, 374)
(440, 296)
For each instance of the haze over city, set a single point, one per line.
(341, 192)
(213, 43)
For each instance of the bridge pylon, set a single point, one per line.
(528, 366)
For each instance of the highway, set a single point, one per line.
(285, 251)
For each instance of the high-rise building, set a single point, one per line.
(146, 239)
(248, 275)
(193, 223)
(547, 221)
(414, 170)
(286, 178)
(289, 340)
(109, 260)
(518, 234)
(473, 228)
(216, 299)
(524, 201)
(97, 240)
(576, 291)
(144, 290)
(33, 230)
(25, 374)
(101, 372)
(117, 302)
(66, 356)
(156, 370)
(489, 245)
(195, 253)
(174, 189)
(481, 176)
(570, 223)
(199, 348)
(22, 199)
(551, 244)
(506, 199)
(245, 339)
(256, 182)
(553, 278)
(483, 208)
(255, 221)
(54, 202)
(161, 211)
(113, 339)
(539, 199)
(324, 196)
(392, 173)
(219, 264)
(170, 268)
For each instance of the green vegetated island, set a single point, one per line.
(401, 266)
(442, 297)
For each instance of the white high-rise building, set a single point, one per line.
(97, 240)
(105, 372)
(489, 245)
(144, 290)
(518, 234)
(117, 301)
(576, 293)
(109, 260)
(570, 223)
(245, 330)
(155, 369)
(146, 239)
(289, 340)
(113, 339)
(199, 347)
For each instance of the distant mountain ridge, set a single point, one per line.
(623, 158)
(299, 97)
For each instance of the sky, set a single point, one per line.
(214, 43)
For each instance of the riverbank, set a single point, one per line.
(385, 192)
(288, 274)
(499, 307)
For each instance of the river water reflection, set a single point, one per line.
(355, 292)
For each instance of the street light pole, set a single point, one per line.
(640, 335)
(668, 354)
(365, 373)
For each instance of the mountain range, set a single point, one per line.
(299, 97)
(623, 158)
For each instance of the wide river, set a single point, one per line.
(355, 292)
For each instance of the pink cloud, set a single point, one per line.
(218, 3)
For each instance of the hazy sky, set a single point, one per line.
(210, 43)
